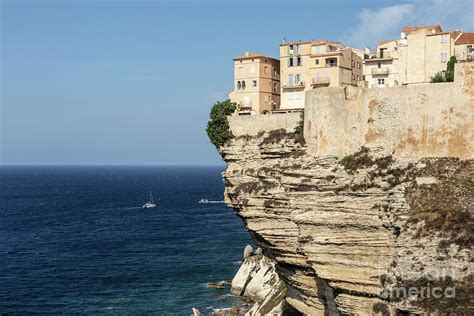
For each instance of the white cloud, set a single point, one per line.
(386, 23)
(376, 25)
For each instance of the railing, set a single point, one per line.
(331, 64)
(380, 71)
(292, 85)
(321, 81)
(384, 55)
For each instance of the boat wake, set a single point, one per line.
(206, 201)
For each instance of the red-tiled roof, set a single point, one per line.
(414, 28)
(252, 55)
(465, 38)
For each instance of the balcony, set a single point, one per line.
(320, 81)
(293, 85)
(380, 55)
(380, 71)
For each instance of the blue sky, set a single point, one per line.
(132, 82)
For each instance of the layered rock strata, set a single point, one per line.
(348, 234)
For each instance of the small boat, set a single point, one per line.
(203, 201)
(151, 203)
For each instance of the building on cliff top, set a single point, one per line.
(256, 84)
(464, 46)
(381, 68)
(419, 54)
(308, 65)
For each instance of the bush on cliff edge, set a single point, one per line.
(218, 129)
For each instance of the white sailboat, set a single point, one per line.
(151, 203)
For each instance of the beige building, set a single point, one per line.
(311, 64)
(381, 68)
(464, 46)
(423, 52)
(256, 84)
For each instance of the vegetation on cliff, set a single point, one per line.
(362, 159)
(218, 129)
(448, 75)
(445, 207)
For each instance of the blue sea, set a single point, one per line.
(75, 240)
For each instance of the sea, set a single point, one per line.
(76, 240)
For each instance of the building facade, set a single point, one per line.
(256, 84)
(464, 46)
(423, 52)
(381, 68)
(312, 64)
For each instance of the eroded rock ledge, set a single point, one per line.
(347, 234)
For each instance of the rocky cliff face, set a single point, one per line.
(353, 235)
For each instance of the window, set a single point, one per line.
(243, 85)
(239, 85)
(469, 49)
(358, 78)
(275, 72)
(379, 65)
(298, 61)
(292, 49)
(275, 87)
(254, 83)
(381, 81)
(444, 57)
(358, 65)
(290, 62)
(317, 61)
(290, 80)
(353, 77)
(444, 38)
(353, 64)
(332, 62)
(297, 79)
(266, 69)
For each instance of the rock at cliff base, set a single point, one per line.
(248, 251)
(196, 312)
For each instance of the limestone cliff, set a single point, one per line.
(348, 234)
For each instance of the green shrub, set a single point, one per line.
(448, 75)
(218, 129)
(300, 127)
(439, 77)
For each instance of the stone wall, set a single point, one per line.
(253, 124)
(417, 120)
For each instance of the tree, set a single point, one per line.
(450, 69)
(448, 75)
(218, 129)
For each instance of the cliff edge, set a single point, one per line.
(357, 225)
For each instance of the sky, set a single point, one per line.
(132, 82)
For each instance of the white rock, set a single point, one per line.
(248, 251)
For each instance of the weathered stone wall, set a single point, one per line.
(417, 120)
(253, 124)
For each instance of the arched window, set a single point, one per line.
(243, 85)
(239, 85)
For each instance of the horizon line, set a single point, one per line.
(108, 165)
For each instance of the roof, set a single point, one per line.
(465, 38)
(414, 28)
(312, 42)
(441, 33)
(252, 55)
